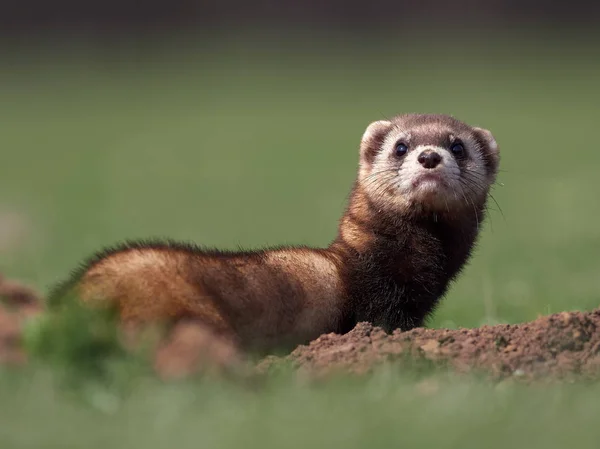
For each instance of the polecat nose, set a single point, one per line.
(429, 159)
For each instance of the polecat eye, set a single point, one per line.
(401, 149)
(457, 149)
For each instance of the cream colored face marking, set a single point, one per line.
(457, 185)
(438, 193)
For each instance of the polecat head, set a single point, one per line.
(425, 162)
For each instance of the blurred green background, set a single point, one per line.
(251, 142)
(250, 139)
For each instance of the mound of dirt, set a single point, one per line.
(560, 346)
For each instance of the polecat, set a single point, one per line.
(412, 220)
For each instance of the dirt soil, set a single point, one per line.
(17, 303)
(561, 346)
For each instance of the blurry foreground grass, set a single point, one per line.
(388, 409)
(231, 145)
(82, 390)
(81, 344)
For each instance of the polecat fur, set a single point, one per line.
(412, 220)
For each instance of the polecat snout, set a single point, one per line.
(410, 225)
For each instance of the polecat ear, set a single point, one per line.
(493, 153)
(488, 138)
(373, 138)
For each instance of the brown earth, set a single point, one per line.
(562, 346)
(18, 303)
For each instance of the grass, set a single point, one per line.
(258, 145)
(387, 410)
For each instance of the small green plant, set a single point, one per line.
(82, 345)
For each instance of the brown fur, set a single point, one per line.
(390, 264)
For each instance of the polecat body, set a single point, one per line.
(410, 225)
